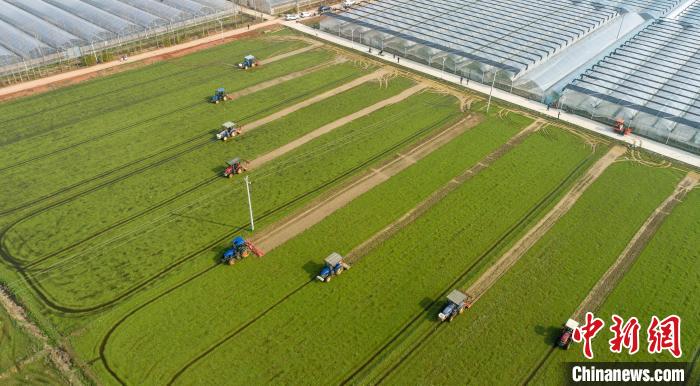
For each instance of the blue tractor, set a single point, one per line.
(335, 265)
(219, 95)
(240, 249)
(457, 302)
(248, 62)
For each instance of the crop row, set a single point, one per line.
(517, 321)
(245, 291)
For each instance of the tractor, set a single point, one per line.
(567, 333)
(235, 166)
(620, 128)
(219, 95)
(241, 249)
(334, 265)
(229, 131)
(248, 62)
(456, 304)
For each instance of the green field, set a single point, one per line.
(114, 215)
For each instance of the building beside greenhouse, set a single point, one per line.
(276, 7)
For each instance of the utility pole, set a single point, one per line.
(250, 204)
(488, 106)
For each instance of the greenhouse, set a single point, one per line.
(652, 82)
(691, 14)
(37, 31)
(276, 7)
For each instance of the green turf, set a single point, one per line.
(39, 372)
(656, 285)
(293, 263)
(529, 303)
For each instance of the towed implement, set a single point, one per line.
(457, 302)
(240, 249)
(334, 266)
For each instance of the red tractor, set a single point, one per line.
(235, 166)
(620, 127)
(567, 334)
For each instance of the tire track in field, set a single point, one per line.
(200, 141)
(258, 161)
(340, 177)
(36, 285)
(147, 98)
(612, 277)
(248, 90)
(528, 217)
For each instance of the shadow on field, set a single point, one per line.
(430, 308)
(549, 334)
(312, 268)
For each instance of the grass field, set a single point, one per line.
(114, 215)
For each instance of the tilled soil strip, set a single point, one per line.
(331, 126)
(315, 99)
(438, 195)
(315, 213)
(59, 357)
(634, 248)
(498, 269)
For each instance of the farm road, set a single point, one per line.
(498, 269)
(290, 228)
(634, 248)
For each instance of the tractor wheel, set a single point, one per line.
(339, 272)
(232, 262)
(328, 279)
(451, 318)
(461, 311)
(230, 175)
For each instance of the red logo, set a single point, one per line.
(665, 335)
(587, 332)
(626, 335)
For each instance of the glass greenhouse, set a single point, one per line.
(50, 29)
(652, 82)
(276, 7)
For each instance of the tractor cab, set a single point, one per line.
(334, 265)
(248, 62)
(229, 130)
(619, 127)
(235, 166)
(456, 304)
(219, 95)
(567, 334)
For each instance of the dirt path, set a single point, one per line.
(498, 269)
(440, 194)
(58, 356)
(71, 77)
(317, 211)
(315, 99)
(331, 126)
(634, 248)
